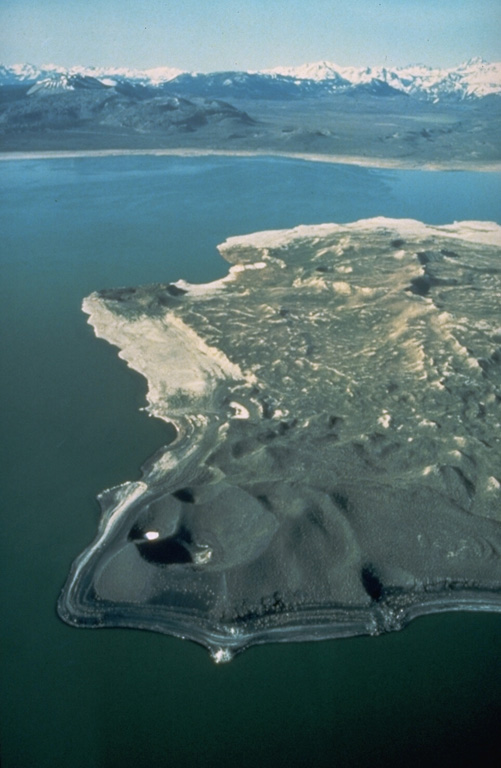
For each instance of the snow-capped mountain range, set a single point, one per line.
(470, 80)
(18, 74)
(473, 78)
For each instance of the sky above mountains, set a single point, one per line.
(211, 35)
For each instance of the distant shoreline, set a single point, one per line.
(370, 162)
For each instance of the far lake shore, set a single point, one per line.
(368, 162)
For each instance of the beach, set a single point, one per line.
(364, 161)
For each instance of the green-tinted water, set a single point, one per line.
(71, 427)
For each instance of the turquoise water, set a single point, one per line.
(71, 427)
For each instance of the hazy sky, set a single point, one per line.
(209, 35)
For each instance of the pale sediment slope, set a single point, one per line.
(337, 467)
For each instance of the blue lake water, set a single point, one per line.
(71, 427)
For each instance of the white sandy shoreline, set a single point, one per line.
(369, 162)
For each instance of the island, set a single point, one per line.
(336, 400)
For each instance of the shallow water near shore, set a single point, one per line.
(72, 427)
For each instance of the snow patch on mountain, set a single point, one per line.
(154, 76)
(318, 71)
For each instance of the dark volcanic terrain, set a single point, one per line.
(336, 465)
